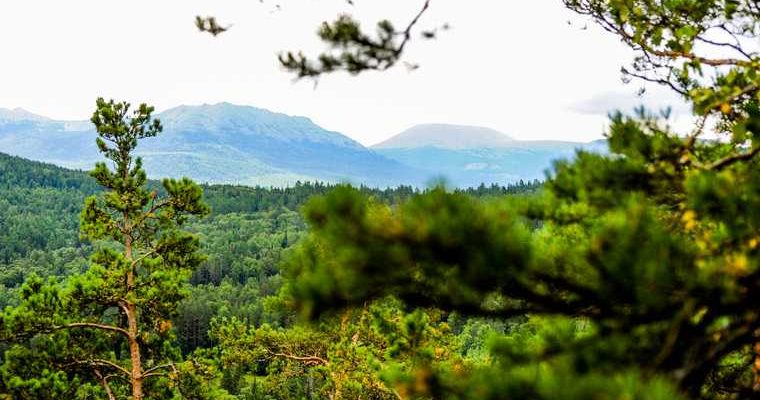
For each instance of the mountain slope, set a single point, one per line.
(468, 156)
(446, 136)
(225, 143)
(220, 143)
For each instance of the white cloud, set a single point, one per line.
(653, 99)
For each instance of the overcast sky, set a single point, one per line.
(515, 66)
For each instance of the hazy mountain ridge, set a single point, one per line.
(19, 114)
(467, 156)
(446, 136)
(226, 143)
(220, 143)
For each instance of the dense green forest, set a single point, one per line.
(40, 206)
(245, 238)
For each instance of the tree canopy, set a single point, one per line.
(638, 268)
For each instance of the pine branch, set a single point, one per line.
(408, 31)
(309, 360)
(728, 160)
(104, 382)
(101, 363)
(149, 370)
(93, 325)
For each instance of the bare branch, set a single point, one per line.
(658, 81)
(309, 360)
(149, 370)
(104, 382)
(713, 62)
(98, 362)
(733, 158)
(93, 325)
(408, 31)
(155, 374)
(142, 257)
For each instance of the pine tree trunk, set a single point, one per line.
(134, 353)
(131, 311)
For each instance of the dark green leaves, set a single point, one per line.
(353, 50)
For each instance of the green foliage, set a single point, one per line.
(654, 255)
(245, 238)
(371, 352)
(38, 208)
(359, 52)
(701, 49)
(352, 49)
(642, 264)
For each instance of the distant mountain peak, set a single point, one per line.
(448, 137)
(20, 114)
(226, 118)
(222, 143)
(231, 111)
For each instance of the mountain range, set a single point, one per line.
(467, 156)
(226, 143)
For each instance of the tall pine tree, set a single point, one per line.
(107, 333)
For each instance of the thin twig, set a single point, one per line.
(408, 31)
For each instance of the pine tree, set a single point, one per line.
(107, 332)
(637, 271)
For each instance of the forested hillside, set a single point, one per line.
(245, 238)
(41, 203)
